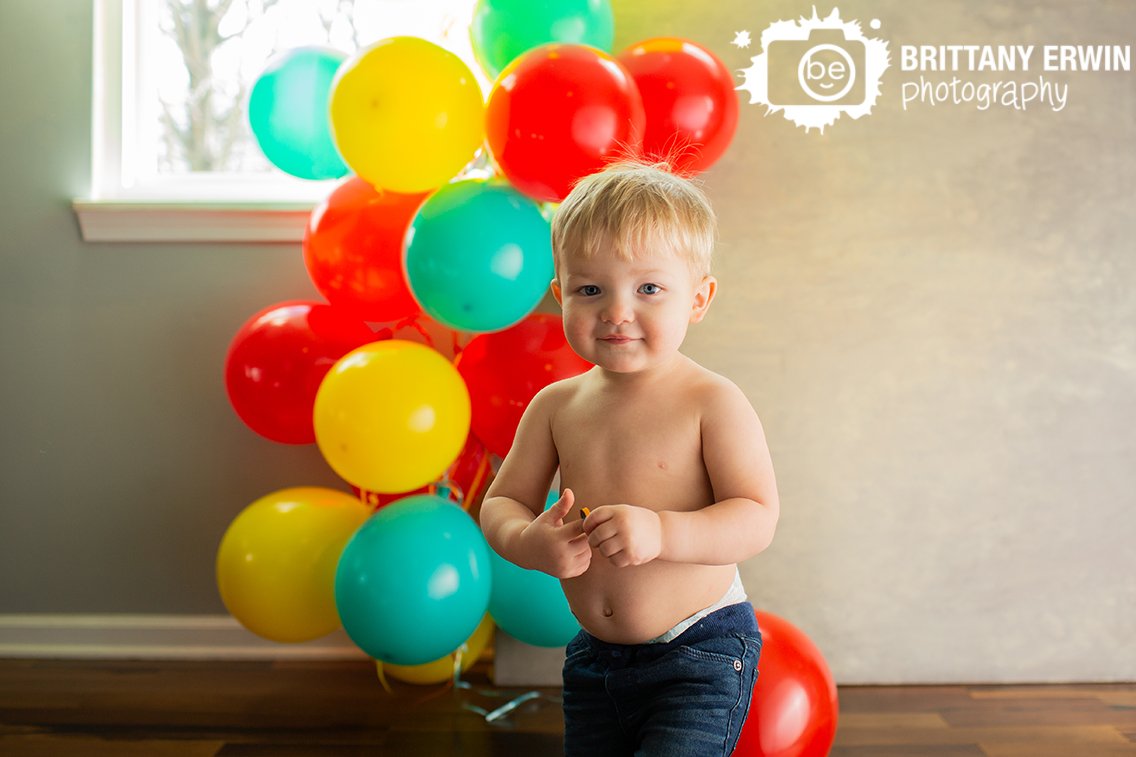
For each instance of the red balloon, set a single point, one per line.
(794, 708)
(558, 113)
(277, 360)
(688, 95)
(505, 369)
(353, 250)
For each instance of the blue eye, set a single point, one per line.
(589, 290)
(656, 288)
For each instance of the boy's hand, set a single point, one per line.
(625, 534)
(554, 547)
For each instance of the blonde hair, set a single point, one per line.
(635, 208)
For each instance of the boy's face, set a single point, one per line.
(629, 316)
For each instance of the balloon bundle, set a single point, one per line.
(437, 232)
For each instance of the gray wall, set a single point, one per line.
(932, 311)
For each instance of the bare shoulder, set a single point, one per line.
(717, 396)
(553, 396)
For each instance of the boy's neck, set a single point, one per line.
(634, 380)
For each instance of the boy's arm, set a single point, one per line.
(516, 498)
(742, 519)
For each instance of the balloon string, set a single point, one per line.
(478, 479)
(413, 322)
(490, 716)
(500, 712)
(497, 713)
(458, 663)
(382, 676)
(511, 705)
(455, 681)
(452, 490)
(446, 686)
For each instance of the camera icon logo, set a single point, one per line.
(816, 70)
(824, 69)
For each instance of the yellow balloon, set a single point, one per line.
(391, 416)
(276, 564)
(442, 669)
(406, 115)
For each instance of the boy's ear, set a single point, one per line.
(703, 296)
(557, 293)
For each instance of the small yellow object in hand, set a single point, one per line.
(584, 513)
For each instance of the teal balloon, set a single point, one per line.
(530, 605)
(288, 113)
(479, 255)
(503, 29)
(413, 582)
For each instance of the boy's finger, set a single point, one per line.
(564, 504)
(559, 508)
(611, 551)
(573, 527)
(578, 538)
(598, 536)
(596, 518)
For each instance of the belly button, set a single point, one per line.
(607, 612)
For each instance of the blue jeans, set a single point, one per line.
(687, 697)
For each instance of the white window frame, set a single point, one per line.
(270, 208)
(128, 205)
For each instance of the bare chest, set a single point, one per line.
(646, 452)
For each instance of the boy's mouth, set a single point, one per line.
(616, 339)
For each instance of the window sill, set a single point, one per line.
(186, 221)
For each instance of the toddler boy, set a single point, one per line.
(672, 463)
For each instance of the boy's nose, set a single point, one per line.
(617, 312)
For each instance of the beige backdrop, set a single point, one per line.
(933, 313)
(931, 310)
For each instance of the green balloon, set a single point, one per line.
(479, 255)
(503, 29)
(413, 582)
(530, 605)
(288, 113)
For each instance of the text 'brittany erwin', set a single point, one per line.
(1015, 57)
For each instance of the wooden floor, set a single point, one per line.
(339, 708)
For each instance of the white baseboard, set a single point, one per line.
(155, 637)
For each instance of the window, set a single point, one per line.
(173, 157)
